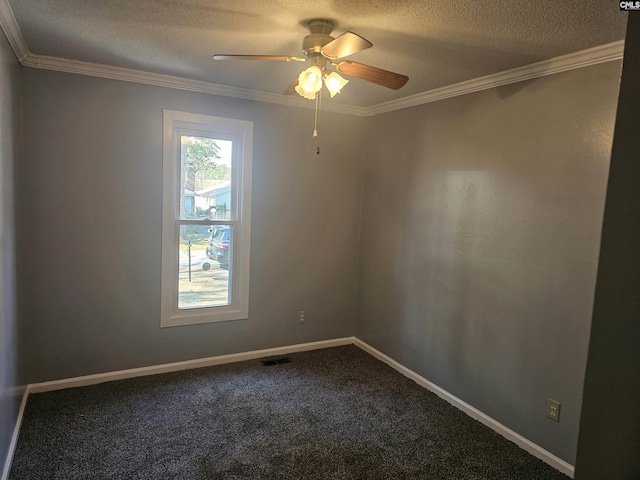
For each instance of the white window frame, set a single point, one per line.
(175, 125)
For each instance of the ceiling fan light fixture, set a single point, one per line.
(334, 83)
(309, 82)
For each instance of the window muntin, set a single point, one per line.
(206, 218)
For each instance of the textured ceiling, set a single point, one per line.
(435, 42)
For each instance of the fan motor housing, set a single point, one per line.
(319, 36)
(313, 43)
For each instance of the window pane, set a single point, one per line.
(205, 257)
(205, 187)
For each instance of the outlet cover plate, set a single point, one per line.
(553, 410)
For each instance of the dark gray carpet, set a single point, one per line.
(336, 413)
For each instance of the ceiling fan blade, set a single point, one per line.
(283, 58)
(291, 89)
(372, 74)
(346, 44)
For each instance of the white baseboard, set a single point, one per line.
(509, 434)
(153, 370)
(185, 365)
(496, 426)
(14, 438)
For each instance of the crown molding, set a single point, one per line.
(12, 31)
(584, 58)
(179, 83)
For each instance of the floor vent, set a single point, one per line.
(276, 361)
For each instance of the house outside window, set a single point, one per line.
(206, 225)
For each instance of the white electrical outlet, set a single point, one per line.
(301, 316)
(553, 410)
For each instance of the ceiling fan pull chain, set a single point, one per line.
(315, 126)
(315, 120)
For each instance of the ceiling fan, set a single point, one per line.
(325, 52)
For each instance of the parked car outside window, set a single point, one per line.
(219, 243)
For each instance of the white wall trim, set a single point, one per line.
(584, 58)
(14, 437)
(175, 124)
(571, 61)
(12, 31)
(185, 365)
(154, 370)
(473, 412)
(179, 83)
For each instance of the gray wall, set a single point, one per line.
(609, 443)
(89, 194)
(478, 245)
(9, 151)
(480, 231)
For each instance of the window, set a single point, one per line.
(205, 218)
